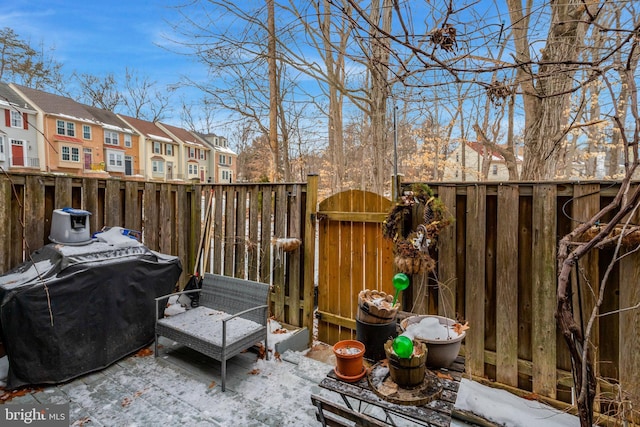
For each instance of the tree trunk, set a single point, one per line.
(276, 174)
(546, 101)
(378, 67)
(335, 77)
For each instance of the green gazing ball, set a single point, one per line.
(401, 281)
(403, 346)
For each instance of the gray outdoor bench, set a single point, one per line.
(231, 317)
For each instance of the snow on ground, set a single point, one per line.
(285, 385)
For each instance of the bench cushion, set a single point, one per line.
(206, 324)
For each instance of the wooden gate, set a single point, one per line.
(352, 256)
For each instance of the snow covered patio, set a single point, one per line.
(183, 388)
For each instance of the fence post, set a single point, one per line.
(309, 248)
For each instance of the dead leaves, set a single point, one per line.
(212, 384)
(460, 328)
(444, 376)
(81, 422)
(255, 371)
(128, 400)
(144, 352)
(8, 395)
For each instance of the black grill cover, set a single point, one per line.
(76, 309)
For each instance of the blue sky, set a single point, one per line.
(102, 37)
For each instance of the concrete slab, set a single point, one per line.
(182, 388)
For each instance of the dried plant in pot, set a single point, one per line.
(411, 253)
(376, 307)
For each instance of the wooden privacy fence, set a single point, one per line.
(168, 215)
(247, 227)
(240, 224)
(497, 269)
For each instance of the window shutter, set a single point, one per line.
(7, 117)
(25, 116)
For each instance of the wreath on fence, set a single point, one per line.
(411, 253)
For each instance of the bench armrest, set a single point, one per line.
(226, 319)
(164, 297)
(240, 313)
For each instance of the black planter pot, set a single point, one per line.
(373, 336)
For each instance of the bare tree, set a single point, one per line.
(142, 98)
(22, 63)
(101, 92)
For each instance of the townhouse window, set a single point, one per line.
(86, 131)
(230, 158)
(66, 128)
(193, 169)
(70, 154)
(157, 166)
(127, 140)
(116, 159)
(495, 169)
(192, 153)
(157, 147)
(457, 157)
(16, 119)
(168, 150)
(111, 138)
(223, 159)
(2, 156)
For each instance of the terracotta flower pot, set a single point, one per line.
(349, 359)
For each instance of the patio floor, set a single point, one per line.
(182, 387)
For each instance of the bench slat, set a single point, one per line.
(357, 418)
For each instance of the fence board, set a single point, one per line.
(241, 233)
(447, 250)
(5, 223)
(294, 282)
(475, 278)
(218, 230)
(629, 325)
(360, 275)
(254, 238)
(229, 229)
(131, 206)
(544, 290)
(278, 258)
(166, 214)
(63, 193)
(34, 213)
(90, 203)
(309, 250)
(113, 203)
(182, 230)
(507, 285)
(150, 214)
(265, 235)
